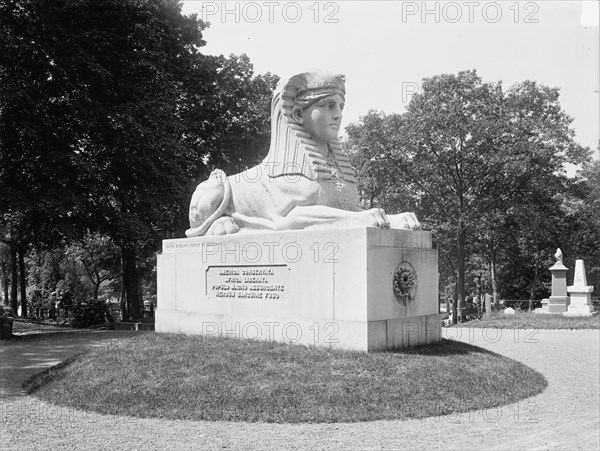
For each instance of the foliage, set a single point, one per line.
(88, 99)
(468, 151)
(370, 154)
(586, 236)
(98, 258)
(91, 313)
(55, 278)
(108, 112)
(234, 132)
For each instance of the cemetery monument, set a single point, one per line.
(580, 294)
(284, 252)
(558, 301)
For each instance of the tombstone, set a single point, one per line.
(283, 252)
(580, 294)
(509, 311)
(544, 308)
(558, 301)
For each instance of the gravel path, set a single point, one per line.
(565, 416)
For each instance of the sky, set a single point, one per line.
(386, 48)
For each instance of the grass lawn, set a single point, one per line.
(215, 378)
(527, 320)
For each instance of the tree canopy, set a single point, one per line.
(472, 154)
(109, 114)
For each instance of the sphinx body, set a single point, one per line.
(306, 179)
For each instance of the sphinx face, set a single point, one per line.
(323, 118)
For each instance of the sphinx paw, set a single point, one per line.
(225, 225)
(376, 217)
(404, 221)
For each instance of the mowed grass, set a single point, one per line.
(530, 320)
(214, 378)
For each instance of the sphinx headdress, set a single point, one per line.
(292, 150)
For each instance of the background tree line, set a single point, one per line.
(109, 117)
(484, 168)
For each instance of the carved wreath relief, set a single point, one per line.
(405, 283)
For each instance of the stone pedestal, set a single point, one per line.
(331, 287)
(580, 293)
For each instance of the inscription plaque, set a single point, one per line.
(262, 283)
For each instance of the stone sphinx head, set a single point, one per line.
(296, 130)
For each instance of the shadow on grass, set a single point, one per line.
(445, 347)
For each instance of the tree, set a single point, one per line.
(370, 153)
(108, 112)
(4, 271)
(469, 149)
(99, 259)
(227, 116)
(585, 224)
(56, 277)
(11, 245)
(474, 149)
(89, 131)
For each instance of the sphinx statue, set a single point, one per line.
(306, 179)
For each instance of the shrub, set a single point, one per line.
(90, 313)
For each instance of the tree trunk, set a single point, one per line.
(455, 304)
(14, 283)
(96, 289)
(536, 275)
(4, 282)
(130, 282)
(460, 283)
(5, 288)
(124, 311)
(494, 276)
(23, 280)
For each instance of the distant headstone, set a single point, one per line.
(544, 308)
(558, 301)
(509, 311)
(580, 294)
